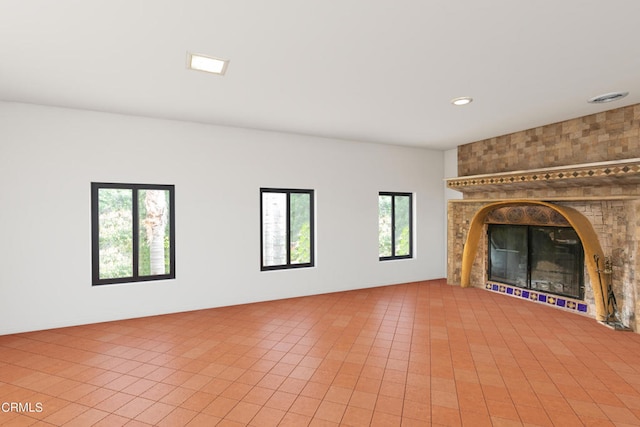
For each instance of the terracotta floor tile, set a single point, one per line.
(363, 399)
(271, 381)
(291, 419)
(314, 389)
(243, 412)
(420, 411)
(302, 373)
(293, 385)
(355, 416)
(178, 417)
(392, 389)
(389, 405)
(258, 395)
(66, 414)
(78, 392)
(338, 394)
(620, 415)
(533, 415)
(281, 400)
(114, 402)
(383, 419)
(220, 406)
(134, 407)
(267, 417)
(330, 411)
(236, 391)
(445, 416)
(204, 420)
(157, 391)
(250, 377)
(87, 418)
(155, 413)
(122, 382)
(112, 420)
(305, 406)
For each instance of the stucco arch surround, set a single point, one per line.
(579, 222)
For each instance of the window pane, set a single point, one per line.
(115, 233)
(274, 229)
(556, 260)
(402, 225)
(508, 254)
(384, 226)
(154, 241)
(300, 228)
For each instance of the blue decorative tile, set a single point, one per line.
(537, 296)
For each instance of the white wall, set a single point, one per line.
(49, 157)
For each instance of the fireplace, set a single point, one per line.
(552, 215)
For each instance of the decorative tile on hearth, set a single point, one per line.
(564, 303)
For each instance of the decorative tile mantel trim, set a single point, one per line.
(593, 174)
(556, 301)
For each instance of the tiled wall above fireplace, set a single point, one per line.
(611, 135)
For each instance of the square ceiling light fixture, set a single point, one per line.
(206, 63)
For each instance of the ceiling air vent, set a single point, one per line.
(608, 97)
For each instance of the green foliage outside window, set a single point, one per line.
(394, 225)
(117, 250)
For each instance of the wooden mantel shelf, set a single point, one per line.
(617, 172)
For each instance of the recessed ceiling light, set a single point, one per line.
(207, 63)
(607, 97)
(462, 100)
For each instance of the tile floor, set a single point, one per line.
(417, 354)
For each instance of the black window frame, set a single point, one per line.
(288, 264)
(95, 233)
(393, 195)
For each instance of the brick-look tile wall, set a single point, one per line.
(611, 135)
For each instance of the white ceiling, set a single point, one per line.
(367, 70)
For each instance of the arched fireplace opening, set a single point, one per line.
(541, 214)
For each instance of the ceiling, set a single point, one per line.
(366, 70)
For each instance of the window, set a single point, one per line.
(548, 259)
(286, 227)
(395, 225)
(133, 232)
